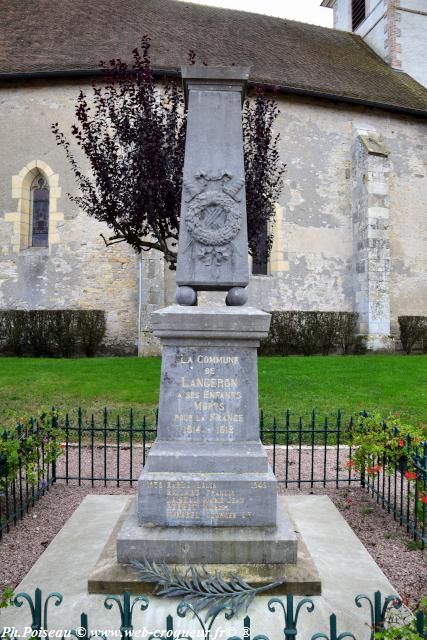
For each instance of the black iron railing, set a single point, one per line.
(291, 614)
(27, 469)
(111, 450)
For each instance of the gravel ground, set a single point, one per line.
(386, 541)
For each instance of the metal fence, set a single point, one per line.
(289, 612)
(111, 450)
(19, 492)
(403, 498)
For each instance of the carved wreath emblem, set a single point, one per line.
(213, 220)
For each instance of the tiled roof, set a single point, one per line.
(74, 35)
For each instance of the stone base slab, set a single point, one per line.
(208, 545)
(205, 457)
(217, 323)
(345, 567)
(109, 576)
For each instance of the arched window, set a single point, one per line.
(358, 12)
(36, 218)
(39, 212)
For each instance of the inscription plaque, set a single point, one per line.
(220, 500)
(204, 394)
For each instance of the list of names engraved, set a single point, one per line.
(200, 501)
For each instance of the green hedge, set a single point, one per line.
(310, 332)
(52, 332)
(413, 331)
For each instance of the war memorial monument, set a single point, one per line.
(207, 493)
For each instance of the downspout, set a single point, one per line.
(139, 323)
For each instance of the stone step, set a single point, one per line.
(208, 545)
(207, 499)
(205, 457)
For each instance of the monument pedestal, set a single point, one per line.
(276, 545)
(207, 493)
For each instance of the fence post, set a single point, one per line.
(144, 437)
(54, 426)
(38, 609)
(421, 464)
(131, 447)
(6, 485)
(247, 628)
(67, 439)
(333, 633)
(338, 447)
(313, 427)
(125, 607)
(378, 609)
(420, 624)
(274, 443)
(290, 613)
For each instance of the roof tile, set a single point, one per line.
(76, 34)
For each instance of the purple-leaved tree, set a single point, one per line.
(132, 133)
(263, 171)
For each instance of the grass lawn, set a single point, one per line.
(387, 384)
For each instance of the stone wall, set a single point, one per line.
(312, 260)
(77, 270)
(371, 239)
(413, 38)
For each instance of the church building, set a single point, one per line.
(350, 231)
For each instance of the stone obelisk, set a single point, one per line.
(207, 493)
(213, 238)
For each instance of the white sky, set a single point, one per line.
(302, 10)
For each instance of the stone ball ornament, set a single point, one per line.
(236, 297)
(186, 296)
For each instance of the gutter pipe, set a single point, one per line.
(173, 73)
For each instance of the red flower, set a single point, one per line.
(424, 499)
(350, 463)
(62, 445)
(410, 475)
(349, 501)
(401, 443)
(373, 470)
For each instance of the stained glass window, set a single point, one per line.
(40, 212)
